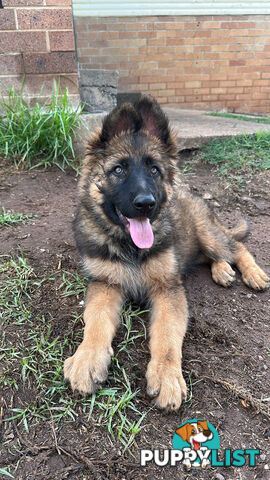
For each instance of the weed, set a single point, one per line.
(242, 154)
(8, 217)
(245, 118)
(38, 136)
(72, 284)
(187, 168)
(191, 385)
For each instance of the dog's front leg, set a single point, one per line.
(168, 326)
(88, 367)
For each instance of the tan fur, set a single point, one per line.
(253, 276)
(222, 273)
(88, 366)
(131, 278)
(167, 331)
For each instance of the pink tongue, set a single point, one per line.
(141, 232)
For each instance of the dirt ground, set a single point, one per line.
(226, 349)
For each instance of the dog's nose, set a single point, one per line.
(144, 202)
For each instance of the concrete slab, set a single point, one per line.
(193, 128)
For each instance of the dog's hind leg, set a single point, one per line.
(222, 273)
(252, 275)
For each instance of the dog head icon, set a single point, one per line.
(195, 433)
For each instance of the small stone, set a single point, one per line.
(216, 204)
(265, 367)
(249, 295)
(260, 357)
(263, 456)
(207, 196)
(218, 476)
(42, 250)
(266, 467)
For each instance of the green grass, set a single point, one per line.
(38, 136)
(245, 118)
(6, 473)
(35, 361)
(8, 217)
(18, 281)
(238, 155)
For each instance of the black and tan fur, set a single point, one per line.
(185, 232)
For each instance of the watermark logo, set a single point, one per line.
(196, 445)
(196, 439)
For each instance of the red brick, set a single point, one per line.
(35, 83)
(147, 34)
(124, 35)
(219, 90)
(237, 63)
(227, 83)
(99, 27)
(56, 19)
(157, 41)
(211, 25)
(22, 3)
(16, 42)
(261, 83)
(57, 62)
(238, 25)
(244, 83)
(192, 84)
(11, 64)
(61, 41)
(7, 20)
(61, 3)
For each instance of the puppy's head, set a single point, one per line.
(130, 168)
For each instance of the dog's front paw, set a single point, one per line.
(87, 368)
(254, 277)
(222, 273)
(166, 383)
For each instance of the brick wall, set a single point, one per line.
(37, 42)
(214, 62)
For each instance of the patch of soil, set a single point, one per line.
(226, 349)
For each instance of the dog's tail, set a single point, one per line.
(241, 231)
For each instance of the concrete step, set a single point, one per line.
(193, 128)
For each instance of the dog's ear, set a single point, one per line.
(154, 119)
(183, 432)
(203, 424)
(121, 119)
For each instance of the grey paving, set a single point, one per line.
(194, 128)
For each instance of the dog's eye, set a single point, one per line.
(193, 431)
(118, 170)
(154, 170)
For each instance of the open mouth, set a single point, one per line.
(196, 445)
(140, 230)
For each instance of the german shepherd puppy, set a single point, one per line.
(137, 231)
